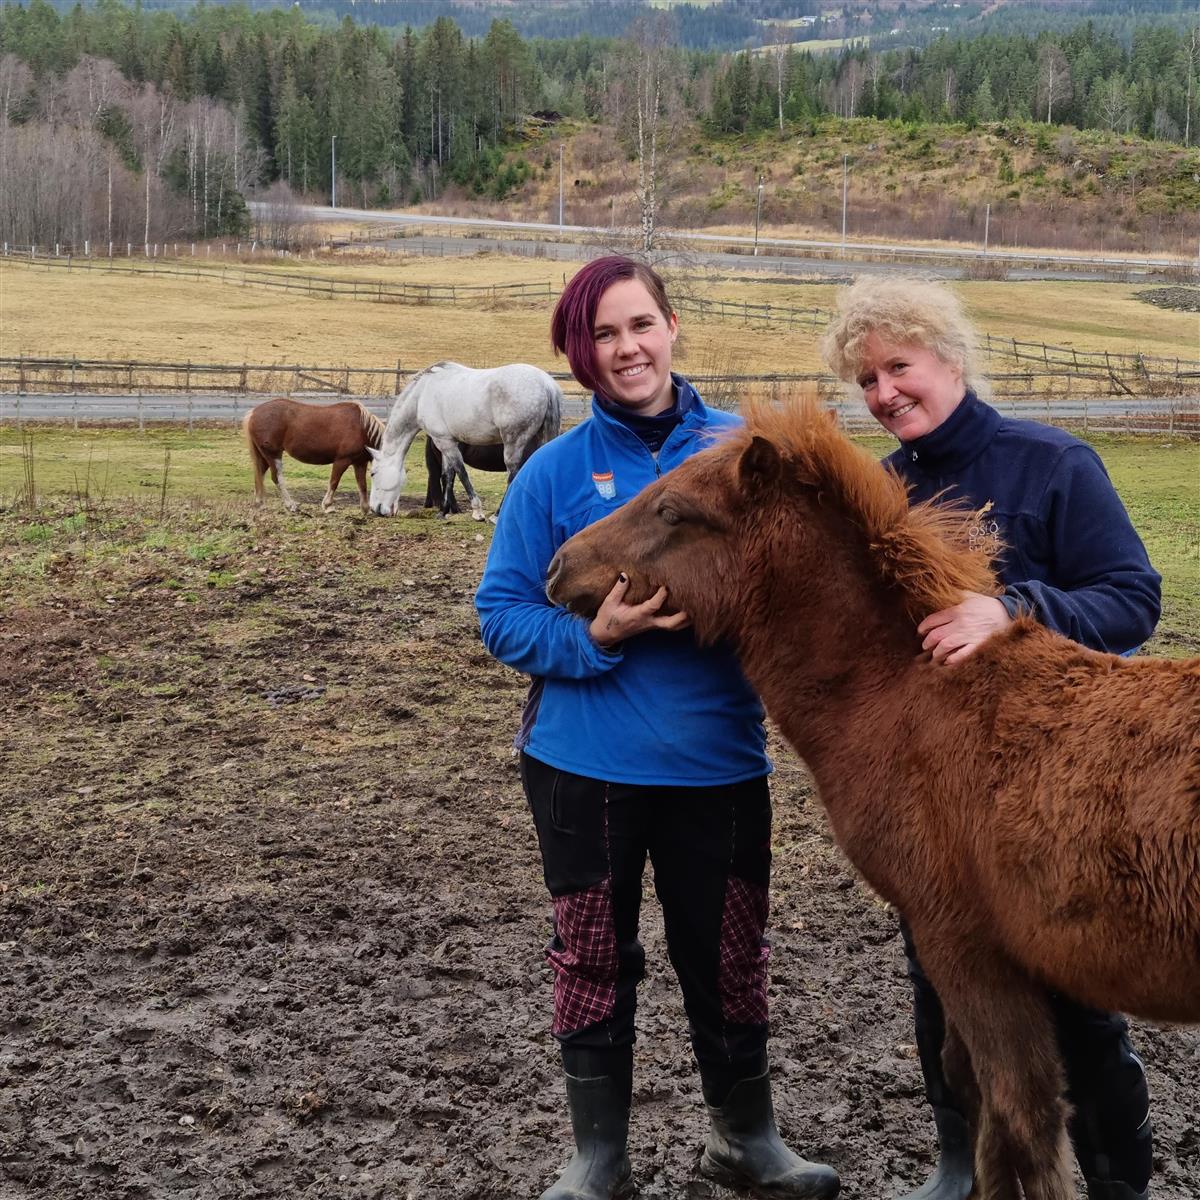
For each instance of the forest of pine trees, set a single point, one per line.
(120, 124)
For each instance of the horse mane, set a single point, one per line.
(373, 427)
(932, 551)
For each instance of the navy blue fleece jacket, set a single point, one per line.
(1072, 558)
(660, 710)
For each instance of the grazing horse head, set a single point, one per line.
(388, 478)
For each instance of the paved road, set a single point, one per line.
(883, 255)
(1130, 414)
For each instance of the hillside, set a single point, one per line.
(1047, 187)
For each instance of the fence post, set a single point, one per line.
(398, 373)
(189, 414)
(141, 415)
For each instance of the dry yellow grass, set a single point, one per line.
(98, 314)
(118, 316)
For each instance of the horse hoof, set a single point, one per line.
(478, 516)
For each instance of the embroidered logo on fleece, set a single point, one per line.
(604, 484)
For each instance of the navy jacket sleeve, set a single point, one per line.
(520, 626)
(1105, 594)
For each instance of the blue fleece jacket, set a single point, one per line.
(661, 710)
(1072, 557)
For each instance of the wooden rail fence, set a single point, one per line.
(379, 290)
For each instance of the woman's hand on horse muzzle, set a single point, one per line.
(615, 621)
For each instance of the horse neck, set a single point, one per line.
(840, 650)
(402, 426)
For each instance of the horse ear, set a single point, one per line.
(760, 465)
(375, 454)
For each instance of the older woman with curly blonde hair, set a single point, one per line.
(1072, 560)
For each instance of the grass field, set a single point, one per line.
(1158, 479)
(97, 314)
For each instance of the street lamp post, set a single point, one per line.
(333, 170)
(757, 217)
(845, 182)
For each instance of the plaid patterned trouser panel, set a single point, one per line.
(710, 848)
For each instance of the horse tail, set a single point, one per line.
(257, 457)
(552, 422)
(372, 427)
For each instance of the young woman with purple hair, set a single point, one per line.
(637, 743)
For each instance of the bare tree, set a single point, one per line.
(1191, 59)
(16, 83)
(780, 49)
(1113, 103)
(950, 91)
(279, 221)
(648, 111)
(875, 74)
(91, 88)
(1054, 78)
(152, 115)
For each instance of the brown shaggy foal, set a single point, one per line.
(1033, 811)
(311, 433)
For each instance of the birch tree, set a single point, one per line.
(648, 110)
(1054, 79)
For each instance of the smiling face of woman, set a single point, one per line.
(632, 348)
(908, 389)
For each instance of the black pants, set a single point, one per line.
(711, 851)
(1106, 1085)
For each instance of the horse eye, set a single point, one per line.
(669, 515)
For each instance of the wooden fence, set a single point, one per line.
(23, 374)
(1093, 362)
(380, 290)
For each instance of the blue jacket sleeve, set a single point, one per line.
(1104, 594)
(520, 626)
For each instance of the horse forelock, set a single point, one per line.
(931, 551)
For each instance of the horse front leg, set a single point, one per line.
(335, 477)
(1004, 1022)
(477, 513)
(277, 477)
(360, 478)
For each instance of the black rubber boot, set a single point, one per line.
(1113, 1189)
(599, 1089)
(744, 1148)
(955, 1173)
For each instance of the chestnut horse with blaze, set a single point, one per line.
(1033, 811)
(311, 433)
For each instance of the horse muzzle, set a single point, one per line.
(555, 574)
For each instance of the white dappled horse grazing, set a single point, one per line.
(517, 405)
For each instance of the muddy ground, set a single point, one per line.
(271, 914)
